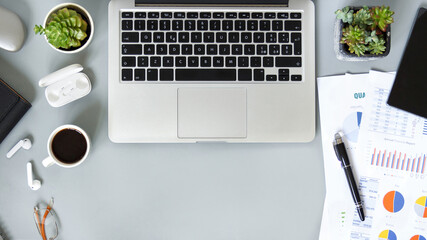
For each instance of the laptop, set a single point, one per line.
(185, 71)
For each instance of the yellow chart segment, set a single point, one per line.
(384, 234)
(421, 201)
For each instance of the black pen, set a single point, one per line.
(342, 156)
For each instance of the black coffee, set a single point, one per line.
(69, 146)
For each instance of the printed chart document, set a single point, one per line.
(388, 157)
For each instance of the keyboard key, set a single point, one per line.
(258, 37)
(145, 37)
(288, 62)
(249, 49)
(237, 49)
(296, 78)
(243, 61)
(297, 48)
(218, 62)
(149, 49)
(127, 25)
(128, 62)
(292, 25)
(127, 14)
(227, 25)
(196, 37)
(168, 62)
(199, 49)
(224, 49)
(139, 24)
(271, 37)
(261, 49)
(152, 74)
(152, 25)
(130, 37)
(230, 61)
(255, 61)
(252, 25)
(192, 15)
(283, 15)
(233, 37)
(155, 61)
(271, 78)
(180, 61)
(221, 37)
(153, 15)
(283, 74)
(177, 25)
(268, 62)
(295, 15)
(131, 49)
(284, 71)
(296, 37)
(179, 15)
(187, 49)
(140, 15)
(245, 75)
(142, 61)
(165, 25)
(190, 25)
(171, 37)
(215, 25)
(246, 37)
(218, 15)
(231, 15)
(205, 74)
(274, 49)
(212, 49)
(159, 37)
(244, 15)
(264, 25)
(259, 74)
(193, 61)
(277, 26)
(205, 15)
(174, 49)
(127, 75)
(287, 49)
(183, 37)
(205, 62)
(256, 15)
(239, 25)
(139, 74)
(166, 15)
(161, 49)
(283, 37)
(202, 25)
(166, 74)
(270, 15)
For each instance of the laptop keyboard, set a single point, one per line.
(211, 46)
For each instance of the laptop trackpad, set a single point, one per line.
(212, 112)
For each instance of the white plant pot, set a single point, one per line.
(85, 14)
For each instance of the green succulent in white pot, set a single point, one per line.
(67, 28)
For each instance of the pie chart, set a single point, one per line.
(387, 235)
(351, 126)
(417, 237)
(421, 208)
(393, 201)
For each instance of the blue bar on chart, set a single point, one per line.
(398, 160)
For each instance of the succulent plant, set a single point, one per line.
(65, 29)
(364, 30)
(345, 14)
(381, 17)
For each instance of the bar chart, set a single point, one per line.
(398, 160)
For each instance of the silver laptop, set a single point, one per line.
(211, 71)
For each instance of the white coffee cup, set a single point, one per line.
(54, 158)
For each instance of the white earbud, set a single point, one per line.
(25, 144)
(34, 184)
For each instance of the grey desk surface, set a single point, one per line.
(164, 191)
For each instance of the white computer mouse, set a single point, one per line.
(12, 31)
